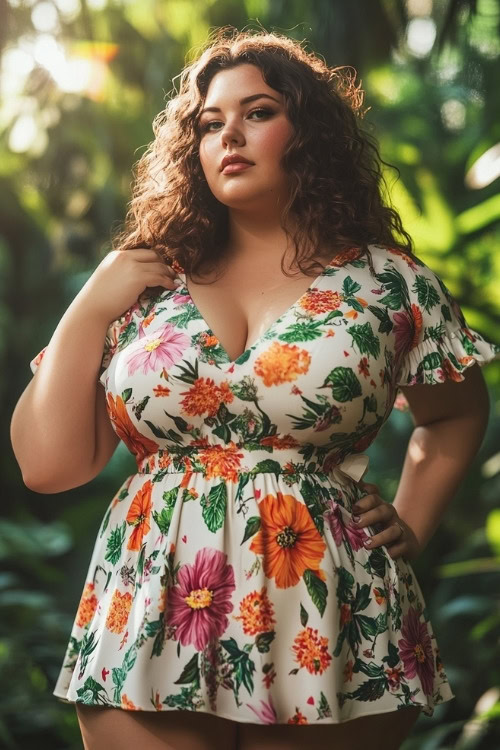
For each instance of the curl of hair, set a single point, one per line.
(333, 164)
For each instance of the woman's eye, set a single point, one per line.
(261, 110)
(206, 126)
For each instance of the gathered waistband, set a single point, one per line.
(231, 461)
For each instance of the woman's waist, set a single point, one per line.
(231, 461)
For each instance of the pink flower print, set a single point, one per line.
(181, 299)
(341, 531)
(200, 602)
(415, 650)
(265, 712)
(161, 348)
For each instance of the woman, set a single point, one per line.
(246, 580)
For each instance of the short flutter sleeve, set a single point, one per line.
(433, 338)
(116, 336)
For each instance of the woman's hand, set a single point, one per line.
(393, 532)
(120, 279)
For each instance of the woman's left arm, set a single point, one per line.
(450, 422)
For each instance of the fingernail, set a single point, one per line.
(355, 519)
(177, 283)
(367, 542)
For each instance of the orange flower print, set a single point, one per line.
(348, 671)
(256, 613)
(363, 367)
(345, 614)
(127, 704)
(450, 371)
(87, 606)
(139, 514)
(288, 540)
(118, 611)
(311, 651)
(280, 443)
(204, 397)
(346, 256)
(140, 445)
(379, 596)
(161, 390)
(297, 718)
(282, 363)
(157, 702)
(317, 302)
(418, 322)
(221, 461)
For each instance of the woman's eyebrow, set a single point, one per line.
(245, 100)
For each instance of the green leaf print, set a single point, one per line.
(345, 384)
(303, 331)
(378, 562)
(350, 287)
(105, 522)
(445, 312)
(251, 528)
(267, 465)
(314, 504)
(214, 507)
(156, 629)
(317, 589)
(304, 616)
(264, 640)
(427, 295)
(114, 543)
(224, 432)
(164, 518)
(371, 690)
(243, 666)
(392, 658)
(367, 625)
(126, 394)
(353, 302)
(370, 670)
(92, 693)
(189, 699)
(386, 324)
(431, 361)
(157, 431)
(89, 644)
(364, 338)
(127, 335)
(398, 290)
(344, 586)
(190, 673)
(362, 599)
(323, 708)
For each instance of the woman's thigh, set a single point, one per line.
(116, 729)
(377, 732)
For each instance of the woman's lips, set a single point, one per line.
(237, 166)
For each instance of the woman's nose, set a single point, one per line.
(231, 134)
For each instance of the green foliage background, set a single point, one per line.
(434, 113)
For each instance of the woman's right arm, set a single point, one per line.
(60, 431)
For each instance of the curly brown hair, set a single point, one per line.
(334, 166)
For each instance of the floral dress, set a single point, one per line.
(227, 576)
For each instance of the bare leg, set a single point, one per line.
(116, 729)
(377, 732)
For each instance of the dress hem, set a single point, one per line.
(221, 715)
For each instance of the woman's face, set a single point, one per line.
(257, 130)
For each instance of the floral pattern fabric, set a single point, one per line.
(227, 576)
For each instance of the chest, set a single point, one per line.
(244, 302)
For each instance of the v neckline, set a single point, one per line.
(245, 354)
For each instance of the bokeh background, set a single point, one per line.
(80, 82)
